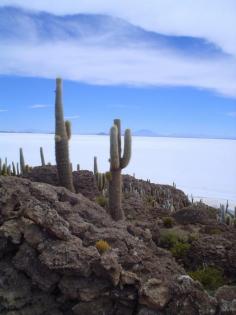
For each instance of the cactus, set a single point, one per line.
(17, 169)
(4, 170)
(117, 163)
(61, 142)
(42, 156)
(95, 165)
(22, 161)
(13, 169)
(9, 170)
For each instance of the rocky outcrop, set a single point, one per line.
(49, 263)
(84, 181)
(197, 213)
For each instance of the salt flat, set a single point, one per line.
(205, 168)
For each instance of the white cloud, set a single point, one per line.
(214, 20)
(38, 106)
(128, 65)
(93, 61)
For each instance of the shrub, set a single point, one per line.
(102, 201)
(170, 239)
(102, 246)
(193, 237)
(177, 244)
(210, 277)
(179, 250)
(168, 222)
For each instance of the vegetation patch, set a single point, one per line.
(102, 201)
(168, 222)
(210, 277)
(176, 244)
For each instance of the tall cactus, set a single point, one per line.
(61, 142)
(117, 163)
(22, 161)
(95, 165)
(42, 156)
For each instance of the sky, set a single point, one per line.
(165, 66)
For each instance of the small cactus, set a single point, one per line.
(102, 246)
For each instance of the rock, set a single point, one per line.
(213, 250)
(188, 297)
(49, 263)
(154, 294)
(198, 213)
(226, 296)
(84, 181)
(102, 306)
(69, 257)
(84, 289)
(109, 267)
(26, 260)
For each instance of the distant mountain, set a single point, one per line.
(21, 25)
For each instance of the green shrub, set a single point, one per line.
(168, 222)
(168, 240)
(102, 201)
(176, 243)
(210, 277)
(213, 231)
(179, 250)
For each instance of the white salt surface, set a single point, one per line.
(205, 168)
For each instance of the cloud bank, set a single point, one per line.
(213, 20)
(103, 58)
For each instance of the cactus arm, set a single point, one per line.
(127, 149)
(117, 123)
(68, 129)
(114, 150)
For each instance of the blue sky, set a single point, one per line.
(172, 72)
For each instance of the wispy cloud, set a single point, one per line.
(39, 106)
(213, 20)
(72, 117)
(130, 63)
(3, 110)
(231, 114)
(138, 66)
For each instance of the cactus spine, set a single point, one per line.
(117, 163)
(61, 142)
(42, 156)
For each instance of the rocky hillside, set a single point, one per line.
(52, 263)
